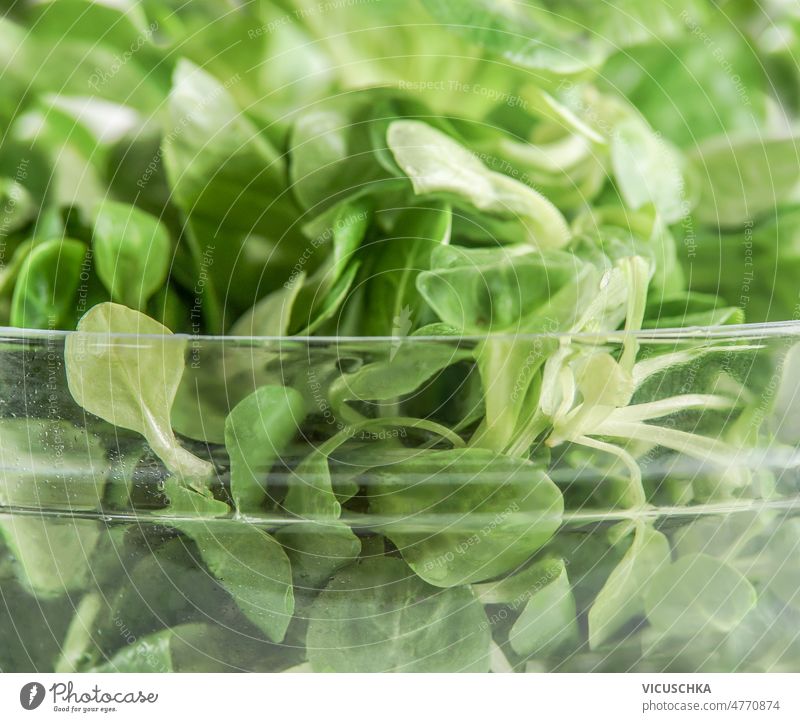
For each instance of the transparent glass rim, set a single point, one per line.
(739, 332)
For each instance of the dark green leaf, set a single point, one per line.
(132, 253)
(376, 616)
(47, 284)
(465, 515)
(257, 431)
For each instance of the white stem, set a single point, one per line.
(637, 490)
(644, 369)
(665, 407)
(637, 275)
(549, 396)
(694, 445)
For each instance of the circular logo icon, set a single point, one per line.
(31, 695)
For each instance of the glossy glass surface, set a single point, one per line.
(363, 514)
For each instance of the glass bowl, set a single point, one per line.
(366, 504)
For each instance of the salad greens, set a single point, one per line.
(404, 335)
(257, 430)
(132, 253)
(131, 384)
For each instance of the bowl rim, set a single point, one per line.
(738, 332)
